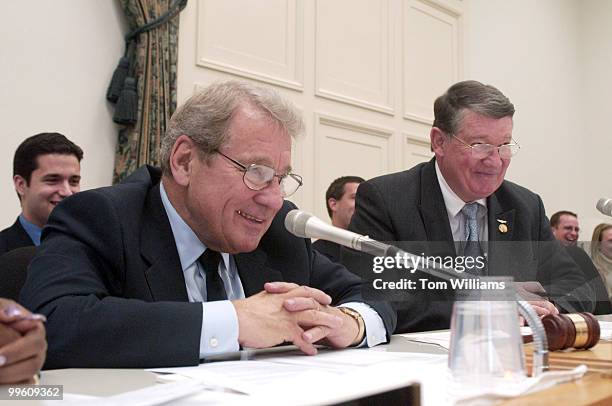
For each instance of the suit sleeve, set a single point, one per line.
(78, 280)
(371, 216)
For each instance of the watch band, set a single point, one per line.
(360, 323)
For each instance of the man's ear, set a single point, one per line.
(184, 151)
(438, 139)
(332, 203)
(20, 185)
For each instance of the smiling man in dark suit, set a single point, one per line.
(459, 205)
(176, 265)
(46, 170)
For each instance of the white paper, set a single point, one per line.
(527, 385)
(441, 338)
(149, 396)
(606, 330)
(330, 376)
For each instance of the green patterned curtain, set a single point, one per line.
(153, 65)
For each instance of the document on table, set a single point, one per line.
(606, 330)
(439, 338)
(154, 395)
(330, 376)
(443, 338)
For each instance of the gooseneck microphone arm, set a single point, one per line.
(306, 225)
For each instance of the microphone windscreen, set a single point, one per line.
(605, 206)
(295, 222)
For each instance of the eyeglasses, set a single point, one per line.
(481, 151)
(258, 177)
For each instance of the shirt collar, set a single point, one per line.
(188, 245)
(32, 229)
(453, 203)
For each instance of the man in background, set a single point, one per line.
(340, 202)
(458, 205)
(46, 170)
(565, 227)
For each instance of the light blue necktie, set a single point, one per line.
(472, 245)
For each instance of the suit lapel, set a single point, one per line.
(18, 236)
(501, 229)
(254, 273)
(434, 214)
(164, 276)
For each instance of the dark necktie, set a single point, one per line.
(215, 290)
(472, 245)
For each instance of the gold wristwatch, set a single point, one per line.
(361, 325)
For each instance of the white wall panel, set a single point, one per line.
(354, 52)
(347, 147)
(415, 149)
(260, 39)
(430, 56)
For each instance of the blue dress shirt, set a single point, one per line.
(32, 229)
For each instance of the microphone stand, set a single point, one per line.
(296, 223)
(540, 353)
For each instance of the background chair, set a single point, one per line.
(13, 271)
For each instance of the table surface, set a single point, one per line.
(594, 388)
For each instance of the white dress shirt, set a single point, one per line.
(219, 332)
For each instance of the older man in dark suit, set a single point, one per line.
(173, 266)
(458, 205)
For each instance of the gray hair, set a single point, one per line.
(206, 116)
(469, 95)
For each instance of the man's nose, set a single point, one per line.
(65, 189)
(493, 159)
(270, 196)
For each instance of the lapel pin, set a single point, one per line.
(503, 228)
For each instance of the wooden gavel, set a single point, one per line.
(573, 330)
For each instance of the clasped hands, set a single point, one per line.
(22, 343)
(287, 312)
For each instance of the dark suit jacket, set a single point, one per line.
(330, 249)
(109, 279)
(13, 271)
(408, 207)
(14, 237)
(593, 278)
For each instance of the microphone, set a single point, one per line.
(605, 206)
(305, 225)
